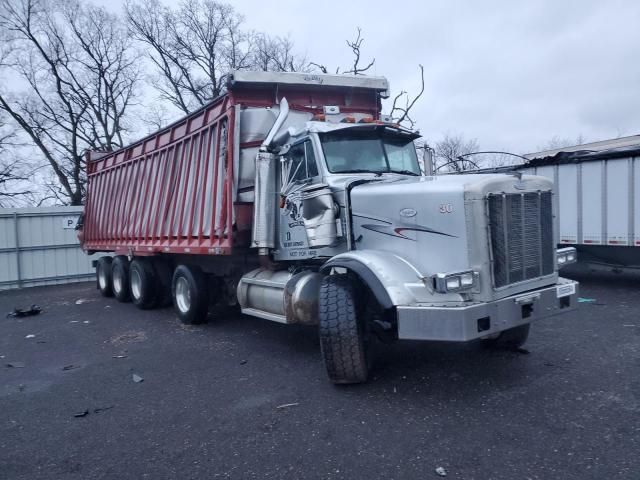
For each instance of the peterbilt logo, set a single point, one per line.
(408, 212)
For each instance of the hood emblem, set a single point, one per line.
(408, 212)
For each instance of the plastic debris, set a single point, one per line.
(242, 362)
(81, 414)
(441, 472)
(15, 365)
(86, 321)
(287, 405)
(137, 378)
(25, 312)
(118, 356)
(70, 367)
(80, 301)
(31, 335)
(586, 300)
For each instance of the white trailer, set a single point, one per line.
(597, 202)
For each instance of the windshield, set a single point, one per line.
(375, 151)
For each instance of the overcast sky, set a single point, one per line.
(511, 74)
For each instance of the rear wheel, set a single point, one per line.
(143, 284)
(120, 278)
(345, 341)
(190, 294)
(103, 276)
(509, 339)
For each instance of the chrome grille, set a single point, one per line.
(521, 230)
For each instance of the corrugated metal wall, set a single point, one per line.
(39, 246)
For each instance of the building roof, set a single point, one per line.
(614, 143)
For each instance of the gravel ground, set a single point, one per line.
(246, 398)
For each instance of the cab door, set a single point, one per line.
(298, 169)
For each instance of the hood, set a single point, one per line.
(437, 224)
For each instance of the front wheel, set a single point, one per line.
(190, 294)
(344, 338)
(509, 339)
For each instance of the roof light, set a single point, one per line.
(331, 109)
(319, 117)
(348, 120)
(366, 120)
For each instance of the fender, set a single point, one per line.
(391, 278)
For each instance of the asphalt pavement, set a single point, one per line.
(92, 388)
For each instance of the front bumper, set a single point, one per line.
(464, 323)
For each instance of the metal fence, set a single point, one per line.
(39, 246)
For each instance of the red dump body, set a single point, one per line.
(174, 191)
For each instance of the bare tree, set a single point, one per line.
(195, 46)
(355, 69)
(450, 151)
(403, 103)
(78, 78)
(557, 142)
(14, 174)
(274, 54)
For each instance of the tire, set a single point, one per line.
(344, 336)
(190, 294)
(509, 339)
(120, 278)
(103, 276)
(143, 284)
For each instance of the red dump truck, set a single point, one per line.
(294, 197)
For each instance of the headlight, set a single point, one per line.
(565, 256)
(454, 282)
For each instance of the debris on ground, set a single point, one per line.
(242, 362)
(118, 356)
(80, 301)
(586, 300)
(25, 312)
(86, 321)
(83, 413)
(31, 335)
(70, 367)
(102, 409)
(441, 471)
(128, 337)
(137, 378)
(73, 321)
(15, 365)
(287, 405)
(521, 350)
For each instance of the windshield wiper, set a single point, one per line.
(405, 172)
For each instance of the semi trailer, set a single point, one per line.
(294, 197)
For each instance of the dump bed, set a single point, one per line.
(188, 188)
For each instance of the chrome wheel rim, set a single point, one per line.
(102, 278)
(183, 295)
(136, 284)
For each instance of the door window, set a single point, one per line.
(302, 162)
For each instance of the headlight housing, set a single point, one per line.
(566, 256)
(455, 282)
